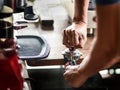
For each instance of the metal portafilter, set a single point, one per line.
(71, 55)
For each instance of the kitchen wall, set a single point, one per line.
(69, 5)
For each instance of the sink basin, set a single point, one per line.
(32, 47)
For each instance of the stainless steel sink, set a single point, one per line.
(32, 47)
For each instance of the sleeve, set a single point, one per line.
(106, 2)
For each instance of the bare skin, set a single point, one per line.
(76, 34)
(106, 49)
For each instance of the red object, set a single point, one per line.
(67, 64)
(10, 70)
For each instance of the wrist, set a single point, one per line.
(82, 71)
(77, 21)
(80, 23)
(82, 76)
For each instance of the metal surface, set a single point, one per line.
(32, 47)
(71, 55)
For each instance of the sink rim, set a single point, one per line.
(44, 52)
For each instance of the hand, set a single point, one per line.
(73, 76)
(75, 35)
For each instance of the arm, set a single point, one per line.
(76, 34)
(106, 49)
(106, 46)
(80, 11)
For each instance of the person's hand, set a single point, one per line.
(75, 35)
(73, 76)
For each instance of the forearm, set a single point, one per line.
(80, 11)
(106, 44)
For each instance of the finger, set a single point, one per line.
(65, 39)
(82, 41)
(65, 74)
(69, 34)
(75, 38)
(69, 79)
(80, 45)
(79, 41)
(67, 64)
(66, 69)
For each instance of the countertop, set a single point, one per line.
(61, 20)
(54, 39)
(52, 36)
